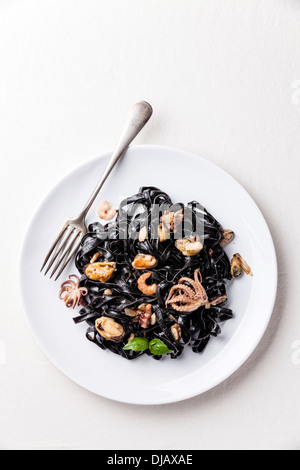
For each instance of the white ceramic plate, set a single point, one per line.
(184, 177)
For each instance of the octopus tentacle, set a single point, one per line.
(71, 293)
(188, 290)
(187, 299)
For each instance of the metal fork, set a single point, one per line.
(73, 230)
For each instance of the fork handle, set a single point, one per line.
(136, 120)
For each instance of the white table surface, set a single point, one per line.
(223, 78)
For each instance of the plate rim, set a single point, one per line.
(250, 350)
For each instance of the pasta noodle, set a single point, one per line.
(118, 242)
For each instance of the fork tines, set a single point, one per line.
(62, 250)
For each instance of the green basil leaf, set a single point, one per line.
(137, 344)
(158, 347)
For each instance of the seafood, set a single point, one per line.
(109, 329)
(176, 331)
(238, 265)
(144, 261)
(95, 257)
(169, 222)
(143, 314)
(100, 271)
(163, 233)
(159, 274)
(146, 288)
(143, 234)
(227, 237)
(71, 293)
(107, 292)
(145, 317)
(106, 211)
(218, 300)
(189, 246)
(187, 299)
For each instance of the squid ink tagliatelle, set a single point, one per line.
(177, 298)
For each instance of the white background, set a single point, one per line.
(223, 78)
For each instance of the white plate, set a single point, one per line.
(184, 177)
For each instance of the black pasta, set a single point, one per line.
(118, 242)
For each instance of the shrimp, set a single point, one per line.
(145, 288)
(106, 211)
